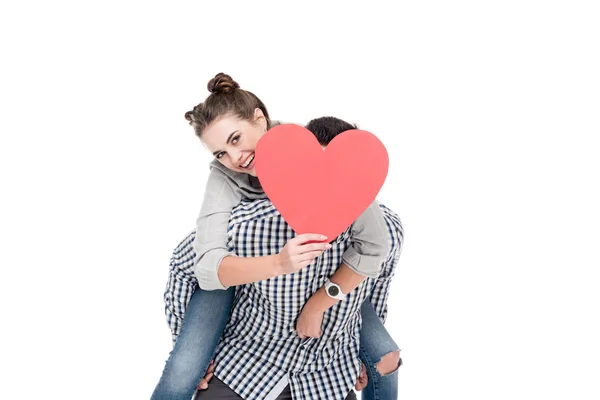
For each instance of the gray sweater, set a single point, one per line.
(226, 188)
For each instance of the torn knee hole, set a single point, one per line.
(389, 363)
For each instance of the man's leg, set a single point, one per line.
(203, 323)
(381, 356)
(217, 390)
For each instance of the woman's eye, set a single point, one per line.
(235, 140)
(220, 155)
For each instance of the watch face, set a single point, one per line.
(333, 291)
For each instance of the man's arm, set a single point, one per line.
(181, 284)
(177, 296)
(347, 279)
(364, 257)
(309, 322)
(369, 242)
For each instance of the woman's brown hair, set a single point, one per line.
(226, 98)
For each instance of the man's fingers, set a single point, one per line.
(211, 367)
(316, 335)
(203, 385)
(362, 380)
(361, 383)
(207, 377)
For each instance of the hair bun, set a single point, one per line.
(190, 116)
(222, 83)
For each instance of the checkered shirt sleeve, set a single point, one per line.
(181, 283)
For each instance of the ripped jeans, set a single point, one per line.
(376, 342)
(204, 322)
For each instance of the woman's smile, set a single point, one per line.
(248, 163)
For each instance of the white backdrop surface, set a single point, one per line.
(490, 113)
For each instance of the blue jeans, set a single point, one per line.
(376, 342)
(203, 323)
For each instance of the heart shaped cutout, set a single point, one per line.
(316, 190)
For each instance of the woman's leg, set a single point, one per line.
(203, 323)
(381, 356)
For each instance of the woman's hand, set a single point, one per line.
(297, 253)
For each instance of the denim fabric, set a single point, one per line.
(376, 342)
(203, 323)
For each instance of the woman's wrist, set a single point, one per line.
(275, 265)
(234, 270)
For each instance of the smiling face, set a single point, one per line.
(233, 140)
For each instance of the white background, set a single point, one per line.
(489, 111)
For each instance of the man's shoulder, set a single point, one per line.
(262, 208)
(390, 215)
(395, 228)
(249, 210)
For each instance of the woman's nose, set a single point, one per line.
(237, 157)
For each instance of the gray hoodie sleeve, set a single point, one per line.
(370, 243)
(220, 197)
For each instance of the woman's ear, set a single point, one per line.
(259, 118)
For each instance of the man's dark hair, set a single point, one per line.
(326, 128)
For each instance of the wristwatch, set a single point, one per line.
(334, 290)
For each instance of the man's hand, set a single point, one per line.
(203, 385)
(363, 379)
(297, 253)
(309, 323)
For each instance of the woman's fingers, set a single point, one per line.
(308, 237)
(308, 257)
(313, 247)
(297, 254)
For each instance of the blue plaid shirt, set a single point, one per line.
(260, 352)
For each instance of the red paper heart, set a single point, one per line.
(316, 190)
